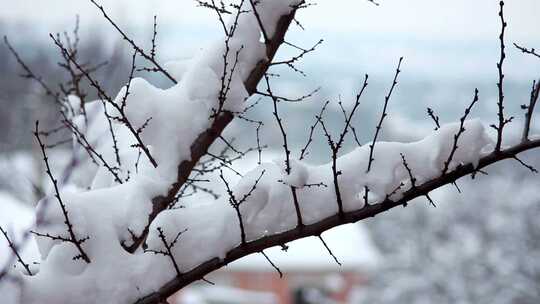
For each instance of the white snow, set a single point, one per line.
(107, 212)
(15, 218)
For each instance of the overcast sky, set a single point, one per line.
(450, 44)
(437, 36)
(433, 19)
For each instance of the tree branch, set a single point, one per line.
(317, 228)
(203, 142)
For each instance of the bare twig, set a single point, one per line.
(219, 11)
(383, 115)
(409, 171)
(329, 250)
(154, 35)
(291, 62)
(434, 117)
(458, 134)
(298, 99)
(150, 57)
(168, 246)
(123, 117)
(525, 50)
(531, 168)
(303, 152)
(259, 21)
(72, 238)
(335, 146)
(535, 93)
(272, 263)
(15, 250)
(236, 203)
(500, 102)
(30, 75)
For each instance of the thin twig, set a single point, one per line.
(150, 58)
(535, 93)
(259, 21)
(15, 250)
(383, 115)
(525, 50)
(459, 133)
(72, 238)
(329, 250)
(272, 263)
(500, 102)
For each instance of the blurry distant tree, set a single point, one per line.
(481, 246)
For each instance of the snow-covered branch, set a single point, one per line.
(128, 213)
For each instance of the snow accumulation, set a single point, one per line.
(108, 212)
(15, 218)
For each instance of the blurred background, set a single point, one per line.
(478, 246)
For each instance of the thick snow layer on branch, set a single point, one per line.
(179, 114)
(109, 213)
(213, 228)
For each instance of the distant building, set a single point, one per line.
(310, 273)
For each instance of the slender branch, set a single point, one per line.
(29, 74)
(303, 152)
(219, 11)
(460, 131)
(535, 93)
(281, 127)
(259, 21)
(72, 238)
(383, 115)
(154, 35)
(329, 250)
(168, 246)
(500, 102)
(336, 146)
(291, 62)
(531, 168)
(123, 117)
(525, 50)
(434, 117)
(298, 99)
(15, 250)
(150, 57)
(237, 203)
(92, 153)
(272, 263)
(202, 143)
(409, 171)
